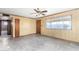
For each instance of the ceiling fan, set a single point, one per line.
(39, 12)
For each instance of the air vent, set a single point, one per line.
(6, 15)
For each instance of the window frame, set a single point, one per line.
(57, 21)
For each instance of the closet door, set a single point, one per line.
(17, 27)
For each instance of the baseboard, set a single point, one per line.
(24, 35)
(60, 39)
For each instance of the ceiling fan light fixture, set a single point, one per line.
(39, 12)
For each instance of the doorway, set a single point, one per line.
(5, 27)
(38, 27)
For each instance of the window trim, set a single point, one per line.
(59, 20)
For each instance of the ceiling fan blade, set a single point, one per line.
(36, 15)
(44, 11)
(43, 14)
(37, 11)
(37, 8)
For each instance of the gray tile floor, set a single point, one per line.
(36, 43)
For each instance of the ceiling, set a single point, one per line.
(27, 12)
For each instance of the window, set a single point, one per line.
(48, 25)
(67, 24)
(59, 23)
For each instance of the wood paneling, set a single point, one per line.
(17, 29)
(38, 27)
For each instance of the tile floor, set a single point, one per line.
(36, 43)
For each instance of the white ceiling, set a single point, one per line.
(27, 12)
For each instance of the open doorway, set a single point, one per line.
(5, 26)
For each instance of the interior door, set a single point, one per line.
(17, 28)
(38, 27)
